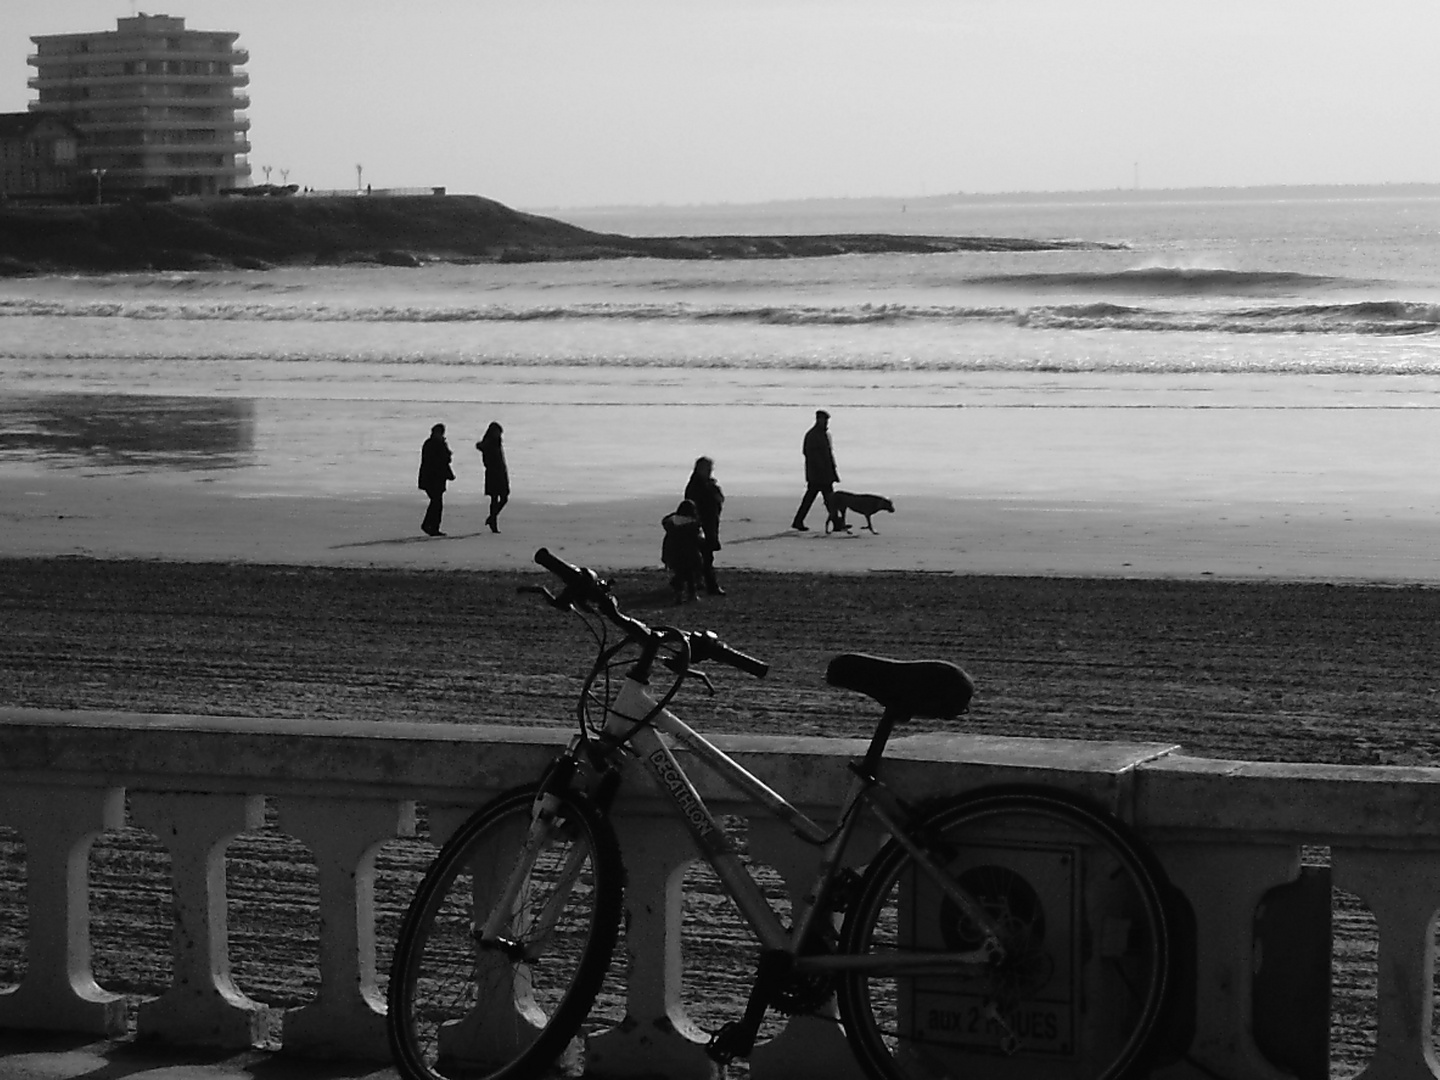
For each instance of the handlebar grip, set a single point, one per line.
(566, 572)
(747, 664)
(706, 646)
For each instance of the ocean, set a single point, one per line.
(1278, 345)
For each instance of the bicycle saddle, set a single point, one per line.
(934, 689)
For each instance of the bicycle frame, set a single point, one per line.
(627, 721)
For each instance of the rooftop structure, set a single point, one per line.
(157, 106)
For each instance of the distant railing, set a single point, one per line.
(375, 192)
(1229, 834)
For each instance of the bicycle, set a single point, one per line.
(1015, 930)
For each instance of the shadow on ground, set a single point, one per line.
(44, 1056)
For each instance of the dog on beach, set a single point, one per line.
(865, 505)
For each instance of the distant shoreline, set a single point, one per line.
(406, 231)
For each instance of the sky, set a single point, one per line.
(548, 104)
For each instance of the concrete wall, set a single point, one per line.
(1227, 833)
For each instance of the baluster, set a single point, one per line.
(657, 1037)
(59, 825)
(1402, 891)
(347, 1017)
(202, 1005)
(1225, 885)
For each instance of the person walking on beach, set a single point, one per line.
(434, 473)
(820, 473)
(705, 493)
(682, 550)
(497, 476)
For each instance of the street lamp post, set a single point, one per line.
(99, 175)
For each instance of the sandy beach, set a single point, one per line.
(1276, 628)
(63, 513)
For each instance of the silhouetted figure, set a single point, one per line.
(705, 493)
(820, 473)
(434, 473)
(497, 476)
(682, 550)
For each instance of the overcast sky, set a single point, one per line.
(569, 103)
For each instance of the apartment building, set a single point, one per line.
(39, 155)
(158, 107)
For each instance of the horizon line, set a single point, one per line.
(993, 196)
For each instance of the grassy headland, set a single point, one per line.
(257, 233)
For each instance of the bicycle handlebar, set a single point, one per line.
(584, 587)
(573, 576)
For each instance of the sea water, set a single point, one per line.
(1187, 346)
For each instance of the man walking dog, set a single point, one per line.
(820, 474)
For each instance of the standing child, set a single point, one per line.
(682, 551)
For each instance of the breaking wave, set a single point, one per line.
(1368, 317)
(1173, 280)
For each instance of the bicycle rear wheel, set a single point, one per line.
(507, 1010)
(1085, 977)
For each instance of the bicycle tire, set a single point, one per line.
(1084, 983)
(456, 1012)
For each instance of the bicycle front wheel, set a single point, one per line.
(1083, 982)
(461, 1006)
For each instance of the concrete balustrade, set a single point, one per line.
(347, 1017)
(1227, 834)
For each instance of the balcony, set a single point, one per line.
(51, 82)
(147, 113)
(136, 130)
(140, 52)
(141, 145)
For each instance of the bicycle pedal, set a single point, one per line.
(726, 1044)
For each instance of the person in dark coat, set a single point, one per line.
(820, 473)
(434, 473)
(497, 476)
(705, 493)
(682, 550)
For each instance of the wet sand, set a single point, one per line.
(1241, 477)
(150, 517)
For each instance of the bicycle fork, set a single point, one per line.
(544, 827)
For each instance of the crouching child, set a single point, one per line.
(683, 550)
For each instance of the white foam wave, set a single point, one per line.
(1369, 317)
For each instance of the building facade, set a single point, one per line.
(158, 107)
(39, 155)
